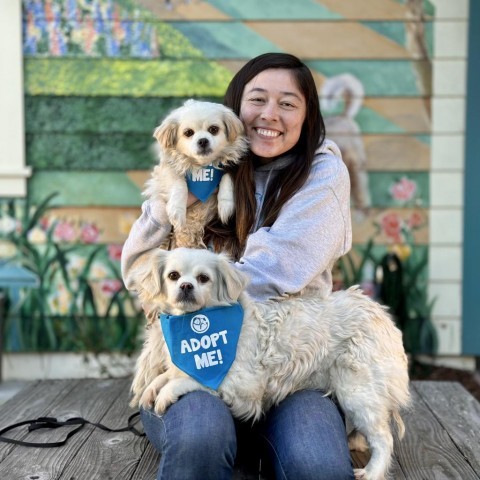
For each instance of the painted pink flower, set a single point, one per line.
(44, 223)
(89, 233)
(392, 226)
(111, 286)
(416, 220)
(404, 190)
(64, 232)
(115, 251)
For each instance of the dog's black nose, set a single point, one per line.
(203, 142)
(186, 286)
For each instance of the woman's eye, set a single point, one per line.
(202, 278)
(173, 275)
(188, 132)
(213, 129)
(257, 100)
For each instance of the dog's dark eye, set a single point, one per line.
(202, 278)
(213, 129)
(188, 132)
(173, 275)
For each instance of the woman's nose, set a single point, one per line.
(270, 111)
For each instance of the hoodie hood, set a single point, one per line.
(264, 174)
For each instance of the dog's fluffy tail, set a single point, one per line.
(399, 423)
(346, 85)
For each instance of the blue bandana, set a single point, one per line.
(203, 182)
(204, 343)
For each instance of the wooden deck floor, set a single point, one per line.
(442, 439)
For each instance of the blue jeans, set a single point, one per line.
(302, 438)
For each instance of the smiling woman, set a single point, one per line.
(290, 224)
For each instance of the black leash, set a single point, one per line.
(50, 422)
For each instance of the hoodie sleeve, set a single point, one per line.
(148, 232)
(311, 232)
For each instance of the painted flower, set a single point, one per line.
(98, 271)
(115, 252)
(7, 224)
(126, 222)
(415, 220)
(7, 249)
(89, 233)
(111, 286)
(391, 225)
(402, 251)
(64, 232)
(37, 236)
(60, 301)
(404, 190)
(75, 265)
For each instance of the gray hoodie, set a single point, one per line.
(298, 251)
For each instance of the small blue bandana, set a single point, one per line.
(202, 182)
(203, 344)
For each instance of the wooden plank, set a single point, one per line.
(396, 152)
(30, 403)
(148, 465)
(90, 399)
(427, 450)
(411, 115)
(307, 40)
(110, 455)
(181, 10)
(458, 412)
(368, 9)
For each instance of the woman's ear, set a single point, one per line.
(231, 282)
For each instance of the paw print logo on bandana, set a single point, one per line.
(200, 323)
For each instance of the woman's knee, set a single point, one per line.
(306, 439)
(197, 422)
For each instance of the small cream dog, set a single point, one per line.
(194, 136)
(345, 345)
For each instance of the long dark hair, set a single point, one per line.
(232, 237)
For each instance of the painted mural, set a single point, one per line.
(101, 74)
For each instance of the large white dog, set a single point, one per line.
(345, 345)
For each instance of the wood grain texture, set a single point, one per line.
(458, 412)
(90, 399)
(428, 451)
(441, 442)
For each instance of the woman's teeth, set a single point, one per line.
(267, 133)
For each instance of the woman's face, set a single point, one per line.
(273, 110)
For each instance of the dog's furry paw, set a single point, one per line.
(177, 215)
(359, 473)
(226, 208)
(164, 399)
(147, 399)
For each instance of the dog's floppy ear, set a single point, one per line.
(166, 133)
(233, 125)
(148, 276)
(231, 282)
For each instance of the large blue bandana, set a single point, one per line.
(204, 343)
(203, 182)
